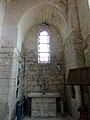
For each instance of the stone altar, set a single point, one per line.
(43, 105)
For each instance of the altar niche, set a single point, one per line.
(44, 105)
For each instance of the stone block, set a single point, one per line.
(43, 107)
(3, 99)
(4, 82)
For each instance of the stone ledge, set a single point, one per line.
(41, 95)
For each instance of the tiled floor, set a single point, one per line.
(60, 117)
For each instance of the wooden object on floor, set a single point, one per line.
(80, 76)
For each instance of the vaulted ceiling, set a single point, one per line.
(24, 14)
(43, 13)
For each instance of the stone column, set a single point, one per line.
(8, 82)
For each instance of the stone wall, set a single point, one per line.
(7, 74)
(74, 56)
(77, 49)
(8, 42)
(8, 82)
(84, 19)
(2, 13)
(44, 107)
(43, 77)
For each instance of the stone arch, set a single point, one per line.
(28, 20)
(19, 21)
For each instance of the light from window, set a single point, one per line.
(43, 47)
(89, 3)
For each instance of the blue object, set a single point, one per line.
(19, 112)
(20, 108)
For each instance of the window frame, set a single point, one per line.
(43, 62)
(88, 4)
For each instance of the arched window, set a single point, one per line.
(89, 3)
(43, 47)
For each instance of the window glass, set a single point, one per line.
(89, 3)
(43, 47)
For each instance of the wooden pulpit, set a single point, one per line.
(80, 77)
